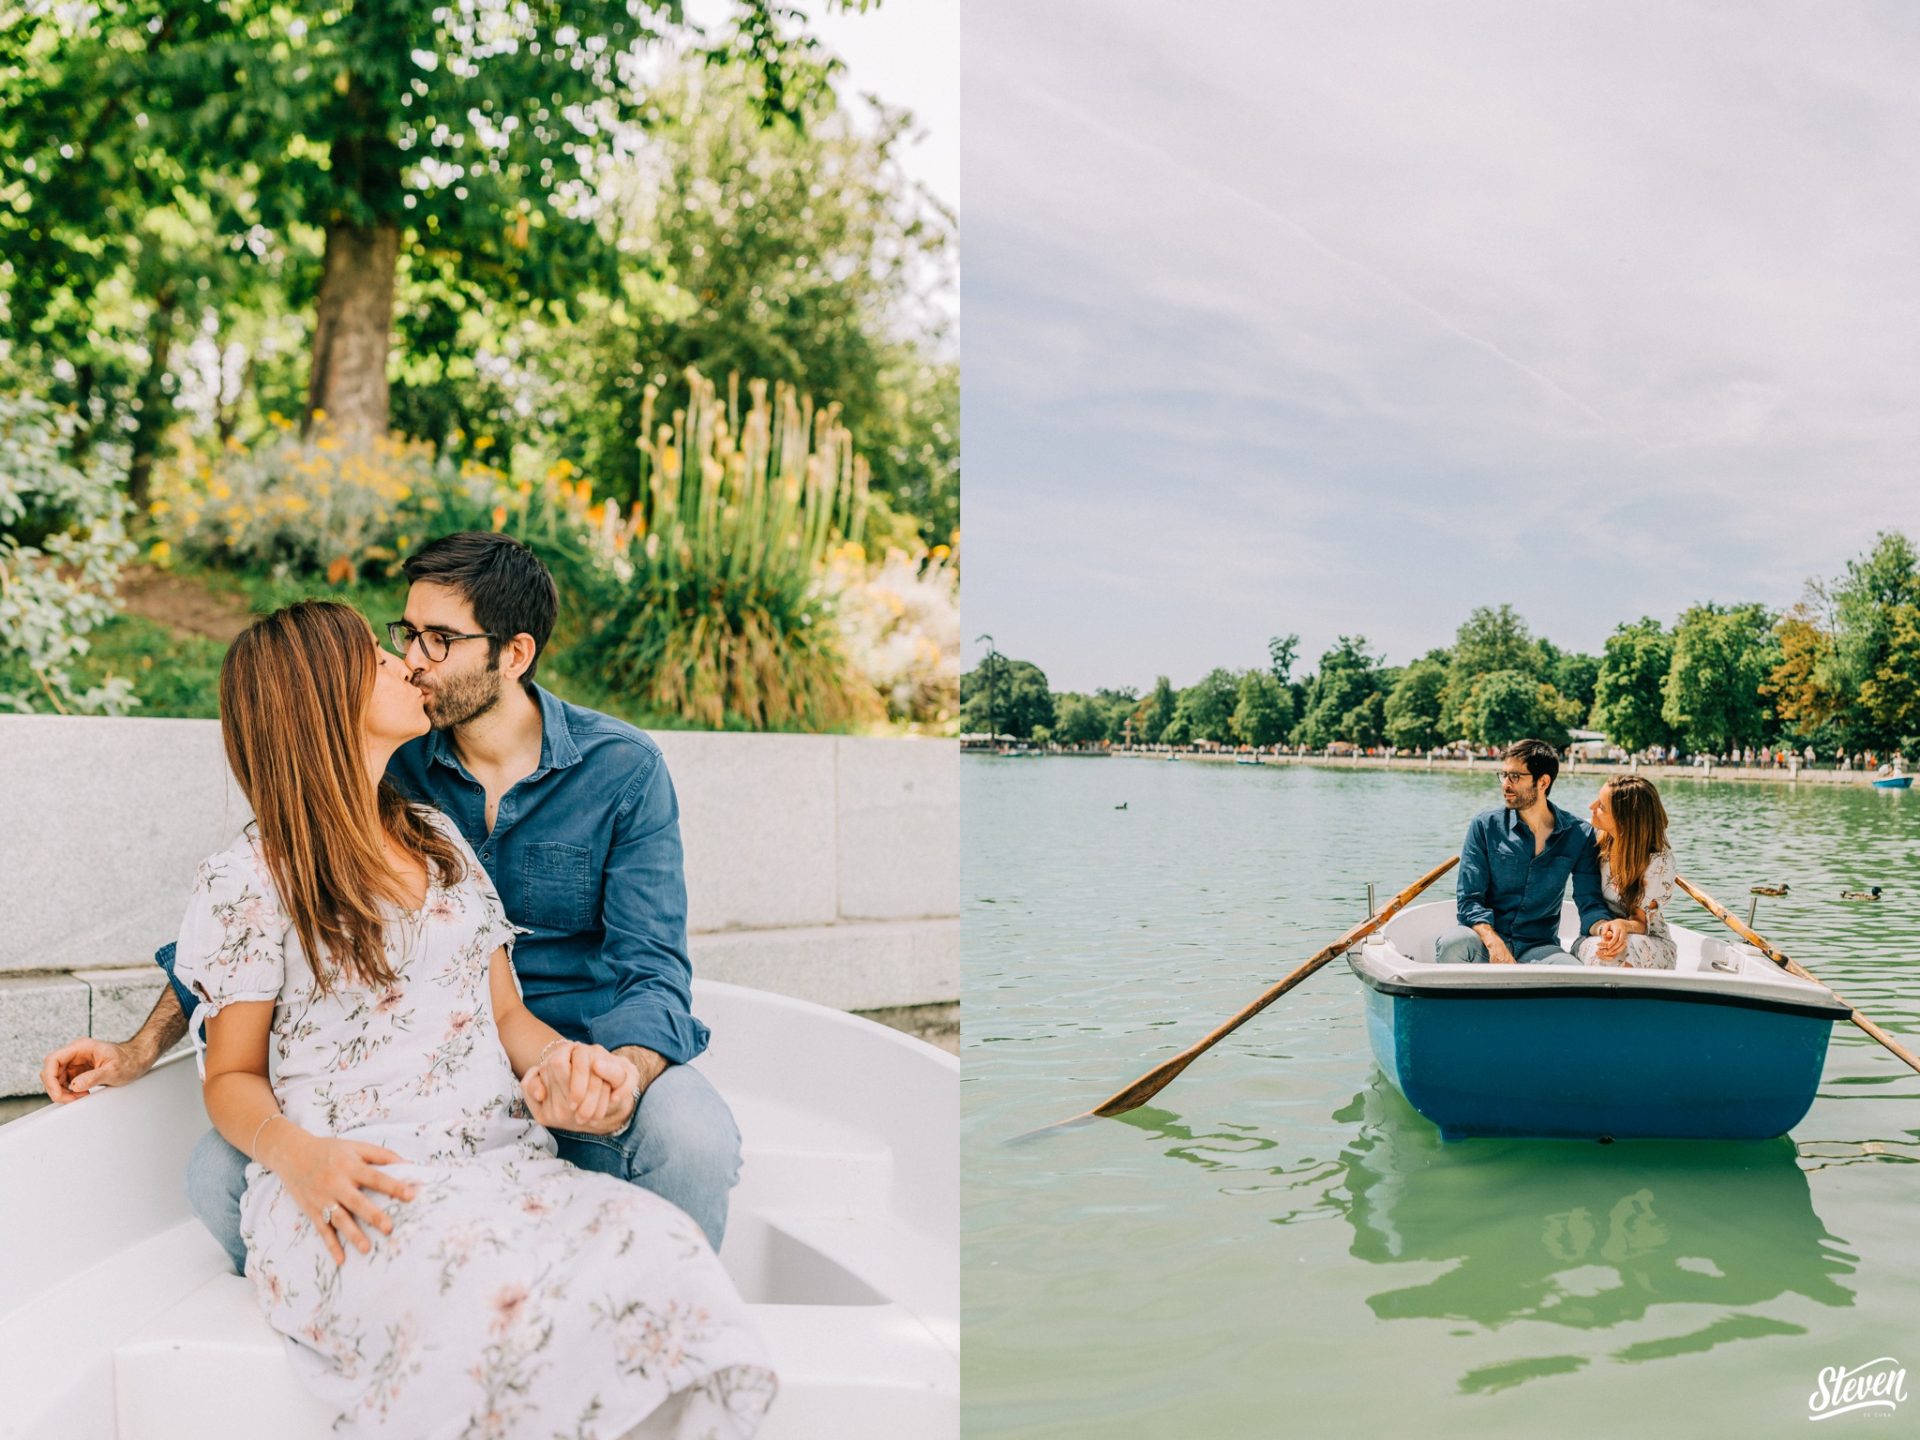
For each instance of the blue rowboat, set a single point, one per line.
(1893, 782)
(1725, 1046)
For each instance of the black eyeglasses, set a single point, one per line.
(1518, 777)
(436, 645)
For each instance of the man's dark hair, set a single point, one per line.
(1539, 758)
(510, 590)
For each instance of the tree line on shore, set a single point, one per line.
(1838, 671)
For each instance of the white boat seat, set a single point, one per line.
(210, 1369)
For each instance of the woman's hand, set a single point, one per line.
(1613, 940)
(327, 1177)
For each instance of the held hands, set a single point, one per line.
(583, 1088)
(327, 1177)
(1613, 940)
(71, 1072)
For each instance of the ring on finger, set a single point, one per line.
(326, 1216)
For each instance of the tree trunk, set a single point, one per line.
(353, 328)
(156, 407)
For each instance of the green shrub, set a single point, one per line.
(63, 540)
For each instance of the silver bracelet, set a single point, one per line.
(253, 1146)
(541, 1059)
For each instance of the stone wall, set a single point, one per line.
(823, 867)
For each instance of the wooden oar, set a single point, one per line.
(1163, 1075)
(1787, 964)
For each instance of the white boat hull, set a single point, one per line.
(120, 1318)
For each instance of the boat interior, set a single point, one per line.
(122, 1319)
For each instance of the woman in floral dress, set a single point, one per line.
(436, 1271)
(1637, 874)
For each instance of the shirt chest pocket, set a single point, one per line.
(556, 886)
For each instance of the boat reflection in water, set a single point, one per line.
(1580, 1234)
(1563, 1232)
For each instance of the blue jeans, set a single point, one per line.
(681, 1144)
(1461, 945)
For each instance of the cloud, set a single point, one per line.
(1353, 318)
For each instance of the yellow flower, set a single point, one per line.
(940, 552)
(319, 416)
(499, 517)
(160, 552)
(484, 442)
(222, 492)
(159, 507)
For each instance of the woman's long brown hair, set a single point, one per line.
(1639, 833)
(293, 691)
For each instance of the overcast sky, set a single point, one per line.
(1336, 319)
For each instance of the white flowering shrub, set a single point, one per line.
(900, 622)
(63, 539)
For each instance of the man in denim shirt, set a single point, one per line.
(573, 816)
(1514, 868)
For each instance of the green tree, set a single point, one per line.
(1207, 707)
(1336, 695)
(1366, 723)
(1412, 710)
(1155, 714)
(1629, 692)
(1891, 695)
(1077, 720)
(469, 142)
(1864, 602)
(1263, 713)
(1722, 655)
(1490, 639)
(1116, 708)
(1510, 705)
(1020, 700)
(784, 252)
(1577, 677)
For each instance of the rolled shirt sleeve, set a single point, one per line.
(1587, 895)
(1475, 886)
(644, 916)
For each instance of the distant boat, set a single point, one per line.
(1725, 1046)
(1893, 782)
(1248, 760)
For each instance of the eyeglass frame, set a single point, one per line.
(397, 629)
(1516, 776)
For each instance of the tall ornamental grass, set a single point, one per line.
(724, 616)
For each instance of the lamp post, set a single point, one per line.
(993, 724)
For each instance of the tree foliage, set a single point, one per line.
(1721, 657)
(1629, 691)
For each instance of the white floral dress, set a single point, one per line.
(517, 1296)
(1653, 950)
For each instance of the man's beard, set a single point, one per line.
(455, 702)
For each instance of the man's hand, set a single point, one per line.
(1498, 953)
(71, 1072)
(582, 1088)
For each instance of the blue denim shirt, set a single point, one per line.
(585, 853)
(1505, 885)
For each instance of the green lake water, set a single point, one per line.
(1280, 1246)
